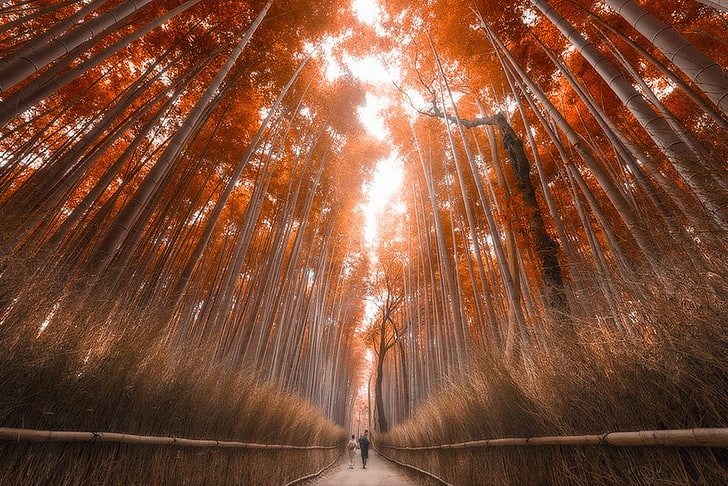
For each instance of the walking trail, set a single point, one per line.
(379, 472)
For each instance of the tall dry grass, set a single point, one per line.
(81, 374)
(671, 372)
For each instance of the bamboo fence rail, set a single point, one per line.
(698, 437)
(701, 437)
(14, 434)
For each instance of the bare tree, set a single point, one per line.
(383, 332)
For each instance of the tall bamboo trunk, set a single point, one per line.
(701, 183)
(131, 212)
(54, 32)
(58, 76)
(22, 67)
(40, 12)
(703, 71)
(223, 198)
(613, 191)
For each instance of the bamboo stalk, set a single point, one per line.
(14, 434)
(699, 437)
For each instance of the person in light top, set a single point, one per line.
(351, 450)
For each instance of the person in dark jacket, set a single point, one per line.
(364, 447)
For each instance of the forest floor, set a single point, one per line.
(379, 472)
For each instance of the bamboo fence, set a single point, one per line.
(699, 437)
(13, 434)
(313, 475)
(702, 437)
(414, 468)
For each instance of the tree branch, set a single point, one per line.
(435, 111)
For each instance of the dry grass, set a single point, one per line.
(82, 377)
(672, 373)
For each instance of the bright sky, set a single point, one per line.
(370, 70)
(367, 11)
(386, 182)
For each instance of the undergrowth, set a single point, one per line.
(669, 372)
(99, 381)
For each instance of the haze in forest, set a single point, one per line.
(244, 230)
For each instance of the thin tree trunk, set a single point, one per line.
(445, 263)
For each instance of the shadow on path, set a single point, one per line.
(379, 472)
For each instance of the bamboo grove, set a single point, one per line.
(182, 181)
(182, 172)
(565, 186)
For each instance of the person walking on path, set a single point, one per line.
(364, 446)
(351, 449)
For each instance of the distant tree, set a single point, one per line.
(383, 333)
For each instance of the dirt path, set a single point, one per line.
(379, 472)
